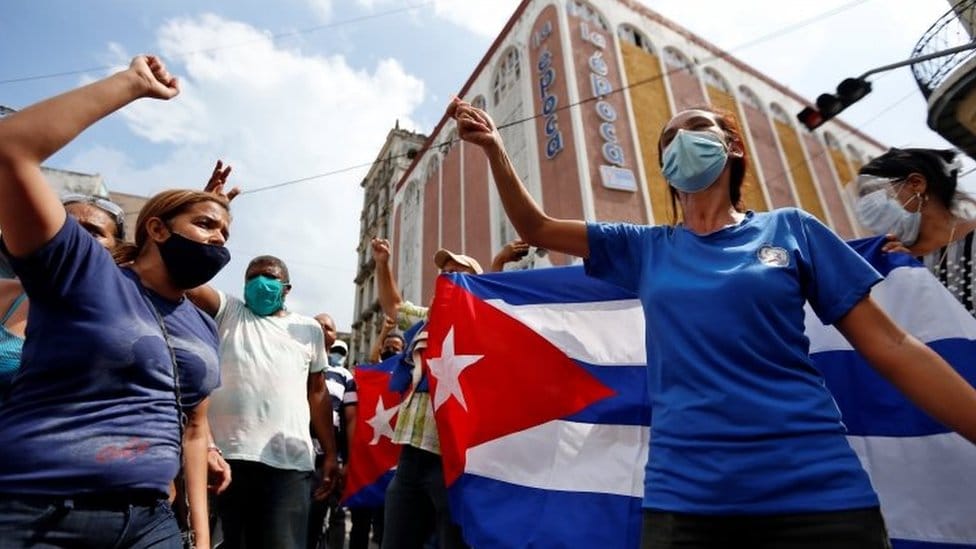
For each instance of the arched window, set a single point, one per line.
(586, 12)
(677, 60)
(478, 102)
(750, 98)
(832, 141)
(633, 36)
(780, 114)
(509, 72)
(717, 81)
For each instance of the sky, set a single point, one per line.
(297, 88)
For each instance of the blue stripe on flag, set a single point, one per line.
(500, 514)
(872, 406)
(630, 406)
(909, 544)
(371, 495)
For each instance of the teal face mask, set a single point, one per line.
(264, 295)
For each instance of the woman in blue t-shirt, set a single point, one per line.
(748, 447)
(117, 364)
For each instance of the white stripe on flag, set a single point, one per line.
(613, 334)
(565, 455)
(925, 485)
(931, 314)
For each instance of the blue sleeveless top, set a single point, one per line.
(11, 346)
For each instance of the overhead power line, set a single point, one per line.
(725, 55)
(273, 37)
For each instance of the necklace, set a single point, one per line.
(945, 252)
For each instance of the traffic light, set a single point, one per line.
(850, 91)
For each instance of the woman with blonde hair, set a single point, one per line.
(117, 365)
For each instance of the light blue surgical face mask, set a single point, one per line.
(694, 160)
(264, 295)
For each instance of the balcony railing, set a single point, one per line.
(953, 29)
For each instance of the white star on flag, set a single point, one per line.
(380, 422)
(447, 368)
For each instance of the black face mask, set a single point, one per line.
(387, 353)
(190, 263)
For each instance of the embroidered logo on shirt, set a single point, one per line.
(774, 256)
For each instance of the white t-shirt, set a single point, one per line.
(260, 412)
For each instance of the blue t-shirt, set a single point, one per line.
(741, 420)
(93, 408)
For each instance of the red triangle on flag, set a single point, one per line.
(374, 451)
(496, 376)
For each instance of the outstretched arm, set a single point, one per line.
(513, 251)
(911, 366)
(386, 286)
(30, 212)
(532, 224)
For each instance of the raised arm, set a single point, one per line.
(30, 212)
(513, 251)
(206, 297)
(533, 225)
(374, 352)
(386, 286)
(911, 366)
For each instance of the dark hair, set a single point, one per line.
(269, 260)
(165, 206)
(937, 166)
(737, 170)
(395, 335)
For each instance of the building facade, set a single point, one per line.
(581, 91)
(398, 151)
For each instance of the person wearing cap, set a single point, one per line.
(339, 381)
(913, 196)
(417, 489)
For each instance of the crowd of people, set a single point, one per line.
(140, 407)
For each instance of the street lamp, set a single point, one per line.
(852, 90)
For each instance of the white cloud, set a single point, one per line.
(483, 18)
(275, 115)
(322, 8)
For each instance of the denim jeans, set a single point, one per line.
(853, 529)
(265, 507)
(415, 496)
(364, 519)
(40, 522)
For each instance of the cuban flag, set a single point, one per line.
(374, 456)
(538, 382)
(539, 389)
(925, 475)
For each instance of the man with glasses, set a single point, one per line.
(271, 364)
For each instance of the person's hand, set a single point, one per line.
(381, 250)
(157, 81)
(218, 179)
(474, 125)
(218, 472)
(388, 325)
(330, 479)
(514, 251)
(894, 245)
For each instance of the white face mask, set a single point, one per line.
(883, 214)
